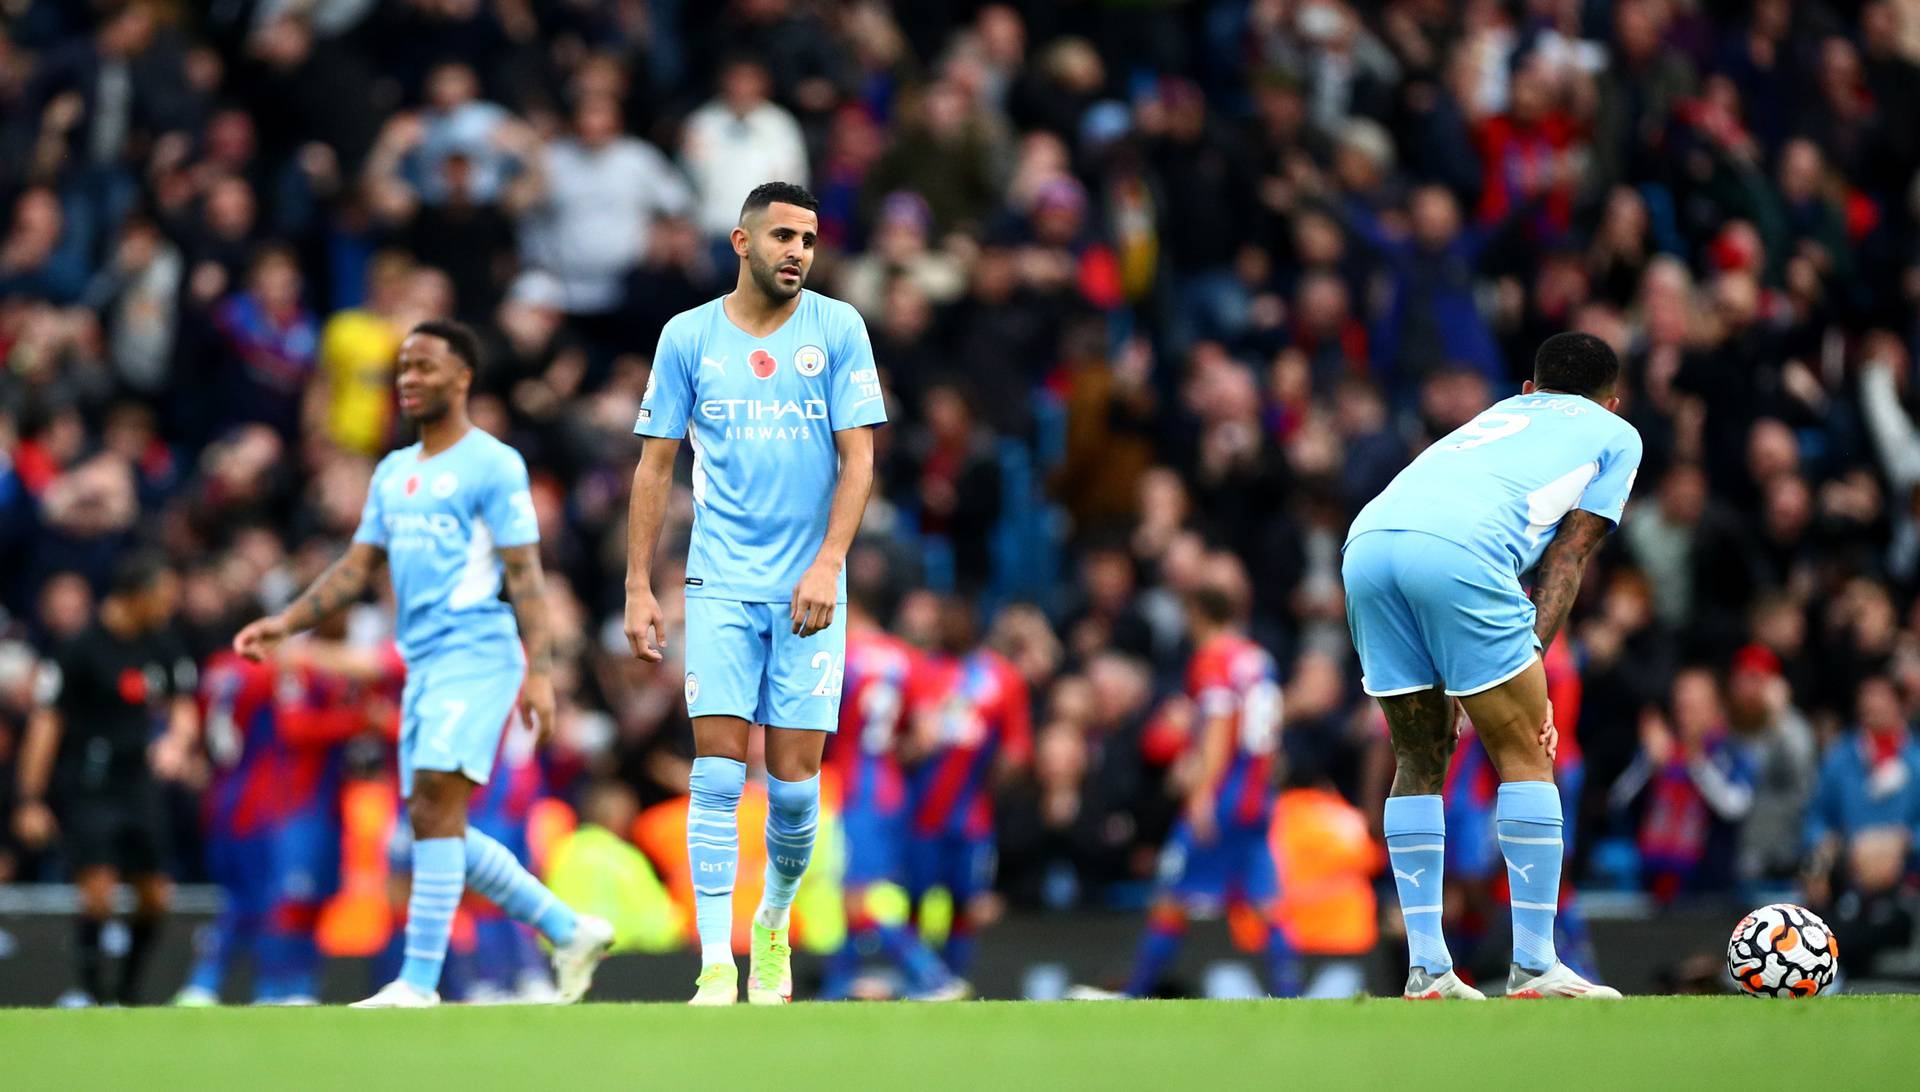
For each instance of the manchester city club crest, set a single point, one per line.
(810, 361)
(693, 688)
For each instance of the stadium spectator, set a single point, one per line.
(1780, 749)
(266, 342)
(603, 191)
(945, 154)
(901, 248)
(134, 294)
(1863, 825)
(42, 255)
(454, 121)
(1869, 781)
(735, 141)
(1692, 790)
(956, 483)
(351, 391)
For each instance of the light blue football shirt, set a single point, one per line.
(1500, 484)
(760, 414)
(441, 521)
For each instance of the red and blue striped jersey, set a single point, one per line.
(873, 711)
(967, 712)
(1234, 677)
(273, 733)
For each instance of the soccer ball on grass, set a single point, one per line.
(1782, 950)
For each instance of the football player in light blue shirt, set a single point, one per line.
(1432, 568)
(774, 388)
(444, 514)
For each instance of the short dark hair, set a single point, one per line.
(1215, 603)
(786, 193)
(459, 337)
(1576, 363)
(136, 572)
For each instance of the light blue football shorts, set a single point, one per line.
(454, 708)
(1426, 612)
(744, 661)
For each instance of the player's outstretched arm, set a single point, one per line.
(1556, 580)
(646, 508)
(819, 587)
(527, 588)
(360, 665)
(343, 582)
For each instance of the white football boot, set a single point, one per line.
(398, 995)
(1422, 986)
(1556, 981)
(575, 961)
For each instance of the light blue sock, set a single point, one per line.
(1416, 829)
(713, 851)
(1527, 819)
(793, 813)
(494, 872)
(439, 875)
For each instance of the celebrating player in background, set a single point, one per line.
(438, 511)
(873, 813)
(775, 389)
(1218, 851)
(1432, 569)
(90, 753)
(971, 729)
(276, 732)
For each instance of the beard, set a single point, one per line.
(766, 275)
(429, 411)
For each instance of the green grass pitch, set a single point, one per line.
(1689, 1043)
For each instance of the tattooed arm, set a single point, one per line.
(1556, 581)
(527, 587)
(340, 585)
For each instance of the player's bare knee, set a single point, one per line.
(438, 806)
(793, 754)
(95, 888)
(790, 768)
(1517, 765)
(153, 897)
(1513, 746)
(721, 737)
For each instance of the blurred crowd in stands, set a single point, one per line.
(1162, 292)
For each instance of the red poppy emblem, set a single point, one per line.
(133, 686)
(762, 363)
(413, 485)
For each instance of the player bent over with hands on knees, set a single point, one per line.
(1432, 568)
(775, 390)
(447, 514)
